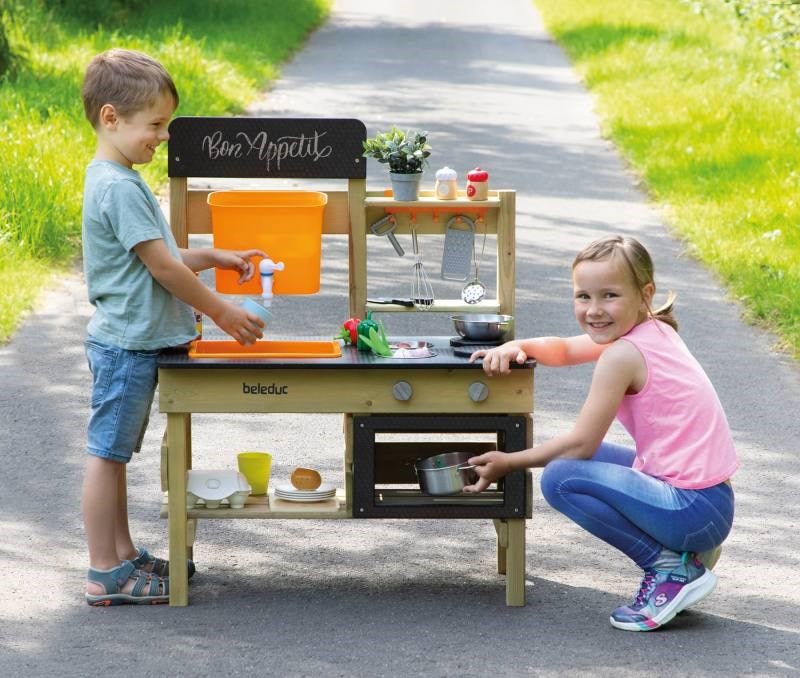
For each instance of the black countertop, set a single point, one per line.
(446, 357)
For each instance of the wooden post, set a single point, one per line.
(506, 266)
(178, 200)
(357, 246)
(177, 429)
(515, 572)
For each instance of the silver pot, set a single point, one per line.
(446, 473)
(483, 326)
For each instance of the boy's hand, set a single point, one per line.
(241, 325)
(489, 466)
(498, 360)
(238, 260)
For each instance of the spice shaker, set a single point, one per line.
(478, 184)
(446, 188)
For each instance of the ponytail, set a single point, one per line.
(664, 313)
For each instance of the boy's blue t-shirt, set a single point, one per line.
(132, 310)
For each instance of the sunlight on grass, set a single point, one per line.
(220, 58)
(686, 99)
(21, 278)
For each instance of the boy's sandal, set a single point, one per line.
(149, 589)
(159, 565)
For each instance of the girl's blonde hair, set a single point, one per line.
(128, 80)
(637, 261)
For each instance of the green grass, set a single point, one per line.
(688, 100)
(221, 54)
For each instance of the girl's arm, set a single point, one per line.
(550, 351)
(203, 258)
(614, 374)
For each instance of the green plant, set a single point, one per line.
(773, 24)
(406, 152)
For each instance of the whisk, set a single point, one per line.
(421, 290)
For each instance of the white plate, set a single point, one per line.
(305, 496)
(288, 488)
(310, 493)
(303, 499)
(327, 495)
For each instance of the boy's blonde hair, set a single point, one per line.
(637, 262)
(128, 80)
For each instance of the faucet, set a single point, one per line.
(267, 268)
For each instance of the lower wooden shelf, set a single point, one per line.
(267, 507)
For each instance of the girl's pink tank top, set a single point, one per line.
(681, 432)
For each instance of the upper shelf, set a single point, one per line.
(428, 201)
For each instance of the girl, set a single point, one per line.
(668, 500)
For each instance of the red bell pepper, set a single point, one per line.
(349, 331)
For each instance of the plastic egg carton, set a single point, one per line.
(211, 488)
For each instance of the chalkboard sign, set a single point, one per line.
(302, 148)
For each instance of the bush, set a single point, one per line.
(775, 24)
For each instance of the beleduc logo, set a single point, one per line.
(265, 389)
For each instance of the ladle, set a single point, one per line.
(474, 291)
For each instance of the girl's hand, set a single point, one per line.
(489, 466)
(498, 360)
(239, 261)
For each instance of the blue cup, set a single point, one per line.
(257, 309)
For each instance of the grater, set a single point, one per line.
(459, 244)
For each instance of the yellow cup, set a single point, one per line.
(255, 466)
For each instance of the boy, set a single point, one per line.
(143, 288)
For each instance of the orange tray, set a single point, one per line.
(204, 348)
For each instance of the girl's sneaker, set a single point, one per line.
(663, 594)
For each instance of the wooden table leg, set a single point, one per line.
(191, 523)
(191, 533)
(501, 528)
(515, 555)
(177, 442)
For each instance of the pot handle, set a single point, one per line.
(465, 467)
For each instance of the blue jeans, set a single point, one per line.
(634, 512)
(123, 384)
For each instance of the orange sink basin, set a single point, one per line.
(265, 349)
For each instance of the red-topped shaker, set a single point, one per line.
(478, 184)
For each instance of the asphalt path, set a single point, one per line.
(396, 598)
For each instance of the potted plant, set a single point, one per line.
(406, 153)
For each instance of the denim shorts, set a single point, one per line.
(123, 385)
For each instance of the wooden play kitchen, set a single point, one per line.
(442, 394)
